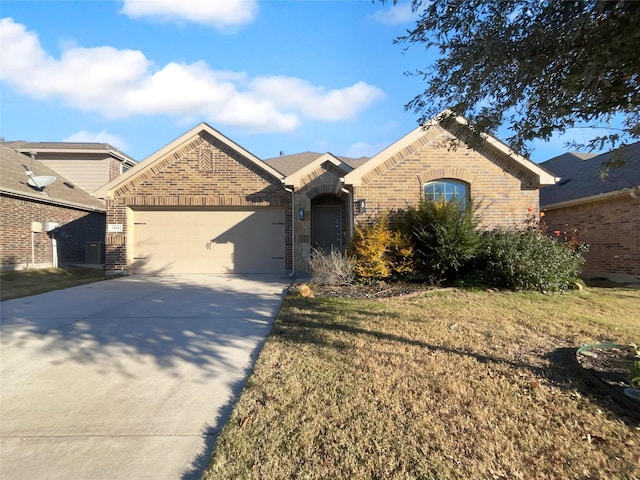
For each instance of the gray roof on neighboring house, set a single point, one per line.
(581, 175)
(289, 164)
(25, 147)
(13, 181)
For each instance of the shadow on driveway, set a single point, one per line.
(143, 369)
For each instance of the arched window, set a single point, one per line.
(446, 189)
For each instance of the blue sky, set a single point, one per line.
(272, 75)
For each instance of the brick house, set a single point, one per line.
(603, 211)
(43, 225)
(203, 204)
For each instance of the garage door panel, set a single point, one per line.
(206, 241)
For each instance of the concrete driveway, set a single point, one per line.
(131, 378)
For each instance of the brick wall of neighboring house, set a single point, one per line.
(204, 172)
(506, 193)
(77, 227)
(611, 227)
(115, 169)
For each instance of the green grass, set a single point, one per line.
(454, 384)
(32, 282)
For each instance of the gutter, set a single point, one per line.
(589, 199)
(52, 201)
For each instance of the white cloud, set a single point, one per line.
(225, 15)
(100, 137)
(124, 83)
(397, 14)
(315, 101)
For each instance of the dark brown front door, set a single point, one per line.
(326, 227)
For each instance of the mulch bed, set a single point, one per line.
(612, 367)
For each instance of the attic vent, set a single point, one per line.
(564, 181)
(205, 159)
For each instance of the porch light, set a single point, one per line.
(361, 205)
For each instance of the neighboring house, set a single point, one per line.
(203, 204)
(87, 165)
(42, 227)
(601, 210)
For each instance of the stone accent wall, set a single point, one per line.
(203, 172)
(77, 227)
(504, 190)
(611, 227)
(323, 181)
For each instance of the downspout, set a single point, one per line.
(54, 249)
(33, 251)
(293, 230)
(351, 213)
(344, 190)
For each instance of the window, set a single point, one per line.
(446, 189)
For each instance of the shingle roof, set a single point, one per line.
(290, 164)
(581, 175)
(13, 181)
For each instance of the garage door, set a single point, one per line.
(209, 241)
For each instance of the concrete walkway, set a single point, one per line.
(131, 378)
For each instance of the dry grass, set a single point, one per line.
(455, 384)
(32, 282)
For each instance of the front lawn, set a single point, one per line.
(23, 283)
(452, 384)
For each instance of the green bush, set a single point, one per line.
(378, 253)
(332, 268)
(528, 260)
(444, 235)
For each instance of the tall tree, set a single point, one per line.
(536, 66)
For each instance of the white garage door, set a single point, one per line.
(209, 241)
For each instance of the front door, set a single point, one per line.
(326, 227)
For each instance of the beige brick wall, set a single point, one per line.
(202, 173)
(506, 192)
(77, 227)
(611, 227)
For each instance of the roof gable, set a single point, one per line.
(581, 176)
(296, 178)
(155, 162)
(290, 165)
(428, 133)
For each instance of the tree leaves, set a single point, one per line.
(538, 66)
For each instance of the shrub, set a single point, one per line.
(379, 253)
(444, 235)
(332, 268)
(400, 254)
(528, 260)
